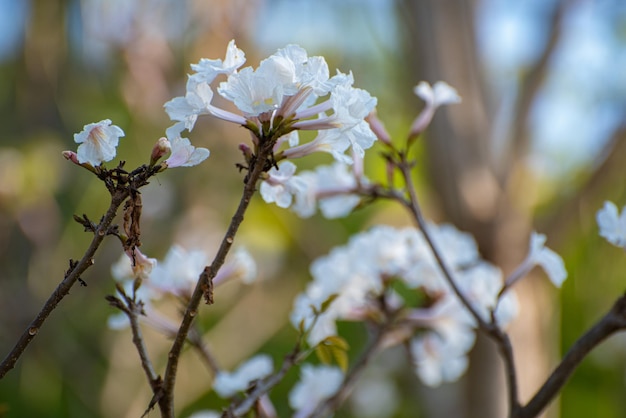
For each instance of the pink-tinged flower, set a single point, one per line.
(228, 384)
(98, 142)
(316, 385)
(612, 224)
(141, 264)
(438, 95)
(184, 154)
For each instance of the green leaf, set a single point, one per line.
(326, 304)
(323, 353)
(341, 357)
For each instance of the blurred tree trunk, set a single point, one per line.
(482, 194)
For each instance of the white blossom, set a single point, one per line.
(440, 94)
(290, 90)
(183, 154)
(316, 385)
(437, 361)
(612, 224)
(228, 384)
(352, 280)
(551, 262)
(97, 142)
(207, 69)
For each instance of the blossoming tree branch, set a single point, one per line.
(424, 287)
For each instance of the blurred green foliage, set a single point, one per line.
(53, 85)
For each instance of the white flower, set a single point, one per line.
(207, 69)
(316, 385)
(551, 262)
(439, 94)
(281, 185)
(227, 384)
(612, 224)
(437, 361)
(184, 154)
(331, 186)
(179, 271)
(98, 142)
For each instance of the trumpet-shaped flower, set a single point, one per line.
(183, 154)
(439, 94)
(97, 142)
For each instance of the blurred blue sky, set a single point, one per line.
(584, 97)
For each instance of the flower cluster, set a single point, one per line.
(364, 280)
(278, 98)
(288, 92)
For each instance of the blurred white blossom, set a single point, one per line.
(438, 95)
(612, 224)
(316, 384)
(228, 384)
(353, 282)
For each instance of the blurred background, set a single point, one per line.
(538, 143)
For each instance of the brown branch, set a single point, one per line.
(131, 309)
(71, 277)
(613, 321)
(166, 396)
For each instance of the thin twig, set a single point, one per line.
(71, 277)
(491, 329)
(166, 399)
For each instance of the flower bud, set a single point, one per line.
(73, 157)
(161, 148)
